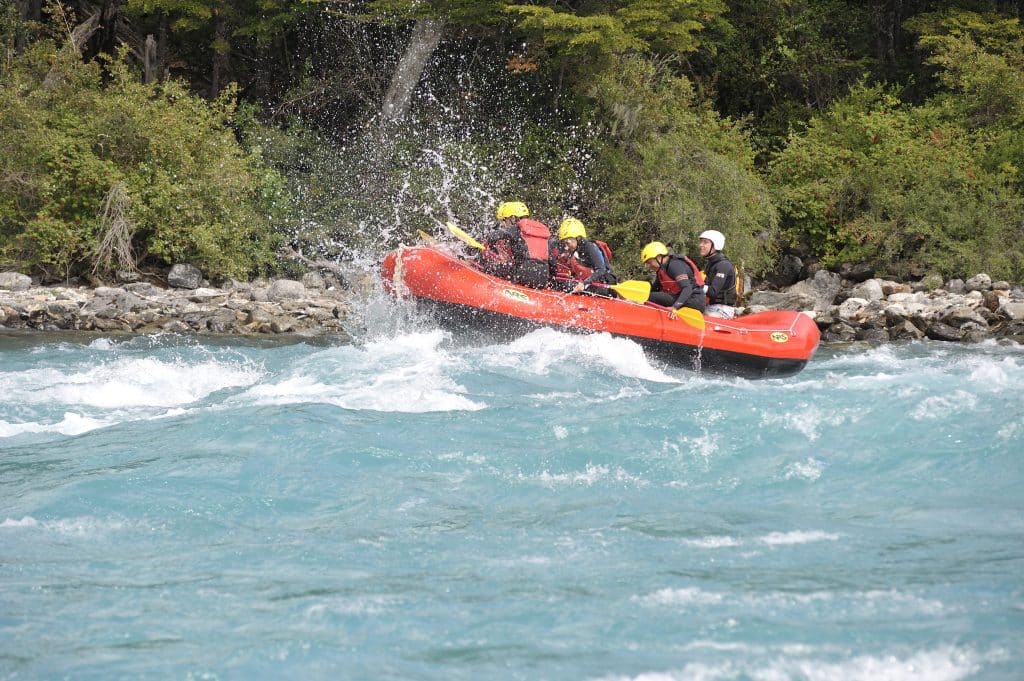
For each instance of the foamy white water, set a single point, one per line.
(554, 507)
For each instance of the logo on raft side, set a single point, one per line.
(779, 337)
(516, 295)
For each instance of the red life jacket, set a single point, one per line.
(670, 285)
(568, 267)
(536, 235)
(606, 250)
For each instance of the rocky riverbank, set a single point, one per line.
(872, 310)
(307, 308)
(879, 310)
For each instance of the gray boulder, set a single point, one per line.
(185, 276)
(285, 289)
(313, 280)
(15, 281)
(781, 300)
(868, 290)
(1012, 310)
(822, 288)
(979, 282)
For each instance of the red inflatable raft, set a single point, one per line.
(765, 344)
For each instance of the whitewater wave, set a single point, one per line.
(941, 663)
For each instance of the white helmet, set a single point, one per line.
(716, 238)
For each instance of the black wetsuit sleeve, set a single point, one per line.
(592, 259)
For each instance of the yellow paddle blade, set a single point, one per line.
(457, 231)
(426, 237)
(634, 289)
(692, 317)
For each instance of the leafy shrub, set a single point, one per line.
(672, 168)
(194, 194)
(916, 188)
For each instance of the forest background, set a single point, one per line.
(886, 134)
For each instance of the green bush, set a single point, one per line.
(672, 168)
(193, 193)
(913, 189)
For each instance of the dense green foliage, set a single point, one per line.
(916, 188)
(182, 188)
(675, 168)
(888, 132)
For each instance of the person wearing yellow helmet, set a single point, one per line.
(518, 248)
(677, 282)
(720, 275)
(578, 264)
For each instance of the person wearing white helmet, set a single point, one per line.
(720, 275)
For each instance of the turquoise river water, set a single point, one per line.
(554, 507)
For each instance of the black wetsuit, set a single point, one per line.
(720, 276)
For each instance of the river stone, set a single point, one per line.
(823, 288)
(203, 295)
(313, 280)
(868, 290)
(956, 286)
(979, 282)
(851, 307)
(905, 330)
(1012, 310)
(839, 332)
(143, 288)
(185, 276)
(176, 326)
(944, 332)
(285, 289)
(962, 315)
(873, 336)
(15, 281)
(781, 301)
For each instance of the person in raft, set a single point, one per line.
(517, 249)
(678, 282)
(720, 275)
(577, 263)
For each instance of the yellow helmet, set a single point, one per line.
(653, 250)
(510, 209)
(571, 228)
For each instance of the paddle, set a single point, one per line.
(460, 233)
(426, 237)
(692, 317)
(639, 291)
(634, 289)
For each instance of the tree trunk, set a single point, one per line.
(150, 63)
(77, 38)
(426, 35)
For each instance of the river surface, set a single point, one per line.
(554, 507)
